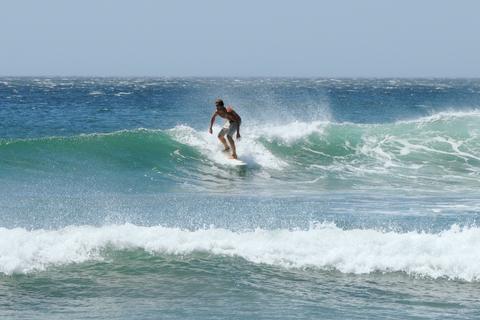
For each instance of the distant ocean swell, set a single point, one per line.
(451, 253)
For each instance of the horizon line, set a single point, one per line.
(241, 77)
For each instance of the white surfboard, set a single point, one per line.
(236, 162)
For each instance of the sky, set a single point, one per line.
(242, 38)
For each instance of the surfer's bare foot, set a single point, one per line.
(234, 156)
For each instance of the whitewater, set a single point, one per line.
(405, 155)
(359, 199)
(446, 254)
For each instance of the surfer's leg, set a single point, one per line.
(232, 145)
(230, 132)
(221, 137)
(225, 144)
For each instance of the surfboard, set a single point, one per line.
(236, 162)
(232, 162)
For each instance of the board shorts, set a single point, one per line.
(228, 129)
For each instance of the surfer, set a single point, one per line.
(231, 125)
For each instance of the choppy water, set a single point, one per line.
(359, 199)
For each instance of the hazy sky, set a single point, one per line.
(337, 38)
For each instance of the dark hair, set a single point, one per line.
(219, 103)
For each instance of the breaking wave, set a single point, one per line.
(452, 253)
(444, 147)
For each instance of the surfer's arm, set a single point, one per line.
(238, 128)
(211, 122)
(236, 118)
(239, 120)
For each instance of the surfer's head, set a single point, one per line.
(219, 104)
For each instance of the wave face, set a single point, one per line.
(448, 254)
(314, 155)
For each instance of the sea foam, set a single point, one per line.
(453, 253)
(250, 150)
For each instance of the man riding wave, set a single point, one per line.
(231, 125)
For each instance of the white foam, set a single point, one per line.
(289, 132)
(444, 116)
(119, 94)
(249, 150)
(453, 253)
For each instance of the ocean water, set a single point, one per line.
(360, 199)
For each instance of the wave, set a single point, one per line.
(140, 148)
(448, 254)
(443, 147)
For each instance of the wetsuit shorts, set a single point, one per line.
(229, 129)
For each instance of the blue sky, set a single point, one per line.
(342, 38)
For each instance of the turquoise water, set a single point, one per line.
(359, 199)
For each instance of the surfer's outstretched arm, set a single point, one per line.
(212, 121)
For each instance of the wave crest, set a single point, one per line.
(444, 147)
(450, 254)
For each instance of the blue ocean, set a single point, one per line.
(360, 198)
